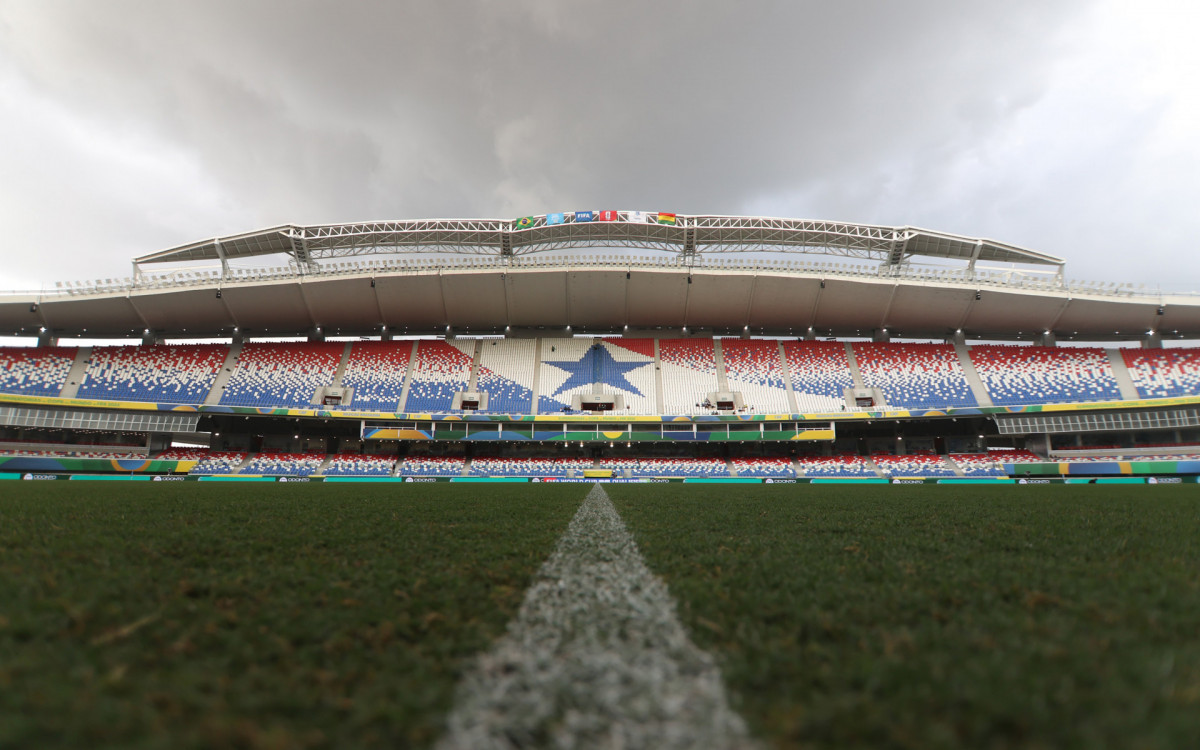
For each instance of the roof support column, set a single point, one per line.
(46, 338)
(221, 257)
(1152, 340)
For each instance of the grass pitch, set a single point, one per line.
(234, 615)
(941, 617)
(310, 615)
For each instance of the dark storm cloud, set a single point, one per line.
(165, 123)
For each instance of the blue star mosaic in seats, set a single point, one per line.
(598, 366)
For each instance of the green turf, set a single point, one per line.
(925, 617)
(237, 615)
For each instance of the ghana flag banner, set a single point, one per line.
(583, 216)
(555, 218)
(606, 216)
(524, 222)
(666, 219)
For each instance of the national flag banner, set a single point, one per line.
(606, 216)
(666, 219)
(555, 218)
(583, 216)
(524, 222)
(639, 217)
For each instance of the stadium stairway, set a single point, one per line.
(793, 404)
(473, 381)
(1121, 373)
(78, 368)
(218, 387)
(858, 380)
(719, 359)
(341, 369)
(958, 472)
(973, 380)
(658, 381)
(320, 472)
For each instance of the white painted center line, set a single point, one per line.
(596, 658)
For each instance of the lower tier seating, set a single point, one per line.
(763, 467)
(352, 464)
(431, 466)
(912, 466)
(284, 464)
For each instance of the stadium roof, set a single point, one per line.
(602, 295)
(679, 233)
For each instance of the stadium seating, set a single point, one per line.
(820, 373)
(628, 370)
(1016, 456)
(1044, 374)
(528, 467)
(376, 371)
(835, 466)
(431, 466)
(667, 467)
(352, 464)
(35, 372)
(165, 374)
(925, 376)
(1164, 373)
(219, 462)
(920, 465)
(978, 464)
(752, 366)
(284, 464)
(282, 374)
(689, 373)
(763, 467)
(506, 369)
(441, 369)
(568, 367)
(183, 454)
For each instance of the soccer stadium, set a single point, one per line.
(616, 345)
(416, 378)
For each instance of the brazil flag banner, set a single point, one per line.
(525, 222)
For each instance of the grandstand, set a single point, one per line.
(479, 348)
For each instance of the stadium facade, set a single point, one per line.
(602, 344)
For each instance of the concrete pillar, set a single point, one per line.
(386, 335)
(811, 335)
(238, 336)
(958, 338)
(316, 334)
(1047, 338)
(1152, 340)
(46, 339)
(150, 338)
(881, 336)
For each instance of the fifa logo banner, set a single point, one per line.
(583, 216)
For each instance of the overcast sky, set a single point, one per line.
(1068, 127)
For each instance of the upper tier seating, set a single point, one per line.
(35, 372)
(689, 373)
(820, 373)
(978, 464)
(181, 374)
(752, 366)
(431, 466)
(919, 465)
(282, 374)
(835, 466)
(284, 464)
(219, 462)
(925, 376)
(1044, 374)
(376, 371)
(506, 369)
(528, 467)
(352, 464)
(764, 467)
(1164, 373)
(628, 370)
(442, 368)
(623, 367)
